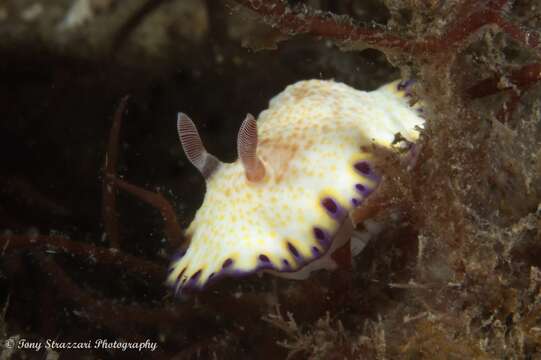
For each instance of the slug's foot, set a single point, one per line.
(359, 240)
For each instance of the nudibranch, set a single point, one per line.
(283, 207)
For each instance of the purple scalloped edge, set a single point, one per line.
(190, 285)
(406, 86)
(230, 271)
(366, 169)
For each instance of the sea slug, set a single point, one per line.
(303, 166)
